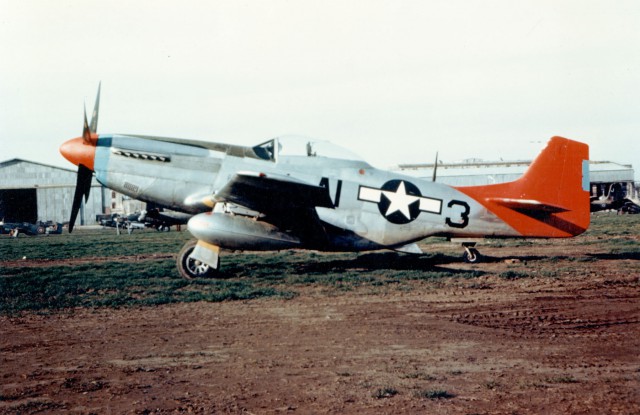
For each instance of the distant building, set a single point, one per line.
(31, 191)
(606, 178)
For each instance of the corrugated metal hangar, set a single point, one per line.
(31, 191)
(607, 178)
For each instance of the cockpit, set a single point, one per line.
(298, 146)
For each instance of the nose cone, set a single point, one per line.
(78, 152)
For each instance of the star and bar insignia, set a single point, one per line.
(399, 201)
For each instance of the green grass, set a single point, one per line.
(610, 224)
(434, 394)
(386, 392)
(125, 272)
(116, 284)
(139, 269)
(92, 243)
(561, 379)
(514, 275)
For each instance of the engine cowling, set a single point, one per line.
(239, 232)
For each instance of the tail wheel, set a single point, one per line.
(471, 255)
(190, 268)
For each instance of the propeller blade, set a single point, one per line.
(93, 127)
(86, 132)
(435, 169)
(83, 187)
(85, 174)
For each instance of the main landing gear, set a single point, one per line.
(190, 268)
(471, 254)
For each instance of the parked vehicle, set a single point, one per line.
(31, 229)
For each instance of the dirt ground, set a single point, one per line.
(487, 345)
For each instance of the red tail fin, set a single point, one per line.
(551, 199)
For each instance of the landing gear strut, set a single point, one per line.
(190, 268)
(471, 254)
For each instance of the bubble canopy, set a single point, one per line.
(299, 146)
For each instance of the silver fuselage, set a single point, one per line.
(371, 208)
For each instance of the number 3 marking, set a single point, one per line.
(464, 215)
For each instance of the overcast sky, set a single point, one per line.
(394, 81)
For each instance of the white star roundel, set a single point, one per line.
(399, 201)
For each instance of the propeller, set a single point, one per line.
(85, 174)
(435, 169)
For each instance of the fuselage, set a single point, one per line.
(372, 208)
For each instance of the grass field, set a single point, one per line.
(101, 269)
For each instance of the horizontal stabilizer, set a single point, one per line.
(527, 205)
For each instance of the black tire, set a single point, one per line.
(472, 256)
(190, 268)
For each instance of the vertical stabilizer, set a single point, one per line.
(551, 199)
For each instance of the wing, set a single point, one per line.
(272, 193)
(286, 202)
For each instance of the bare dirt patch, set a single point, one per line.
(565, 340)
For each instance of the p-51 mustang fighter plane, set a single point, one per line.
(292, 192)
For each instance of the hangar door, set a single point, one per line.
(19, 205)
